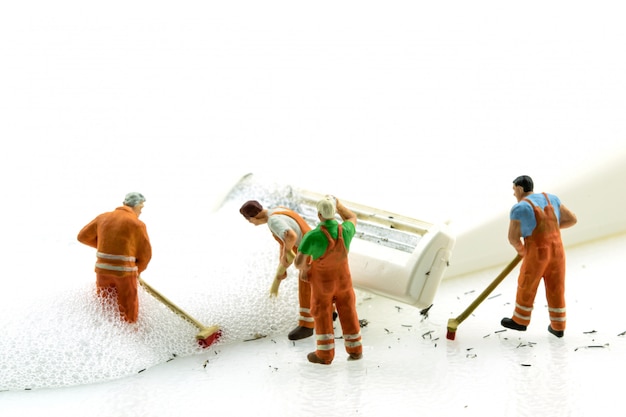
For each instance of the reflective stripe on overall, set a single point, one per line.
(331, 282)
(544, 258)
(305, 319)
(118, 274)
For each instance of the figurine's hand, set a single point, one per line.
(520, 248)
(285, 262)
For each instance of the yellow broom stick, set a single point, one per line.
(454, 323)
(206, 334)
(280, 271)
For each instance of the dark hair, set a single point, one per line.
(525, 182)
(250, 209)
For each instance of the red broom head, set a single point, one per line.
(451, 334)
(209, 340)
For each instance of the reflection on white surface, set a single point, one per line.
(408, 367)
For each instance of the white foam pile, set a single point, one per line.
(66, 335)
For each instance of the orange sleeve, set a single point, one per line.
(88, 235)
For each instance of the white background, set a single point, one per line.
(429, 109)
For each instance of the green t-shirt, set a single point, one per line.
(314, 242)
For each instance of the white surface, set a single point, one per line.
(178, 100)
(409, 367)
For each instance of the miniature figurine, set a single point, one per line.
(537, 219)
(123, 252)
(287, 227)
(323, 256)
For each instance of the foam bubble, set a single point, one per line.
(68, 335)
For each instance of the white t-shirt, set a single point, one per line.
(280, 223)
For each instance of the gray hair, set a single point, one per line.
(326, 209)
(134, 198)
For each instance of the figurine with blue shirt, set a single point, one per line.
(534, 232)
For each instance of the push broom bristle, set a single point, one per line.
(208, 335)
(209, 340)
(452, 325)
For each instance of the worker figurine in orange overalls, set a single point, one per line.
(323, 256)
(537, 219)
(123, 252)
(287, 227)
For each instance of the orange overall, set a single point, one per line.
(544, 258)
(305, 318)
(123, 252)
(331, 282)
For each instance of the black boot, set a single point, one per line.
(313, 358)
(510, 324)
(557, 333)
(300, 332)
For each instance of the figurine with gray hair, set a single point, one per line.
(123, 251)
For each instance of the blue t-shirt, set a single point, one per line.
(315, 243)
(523, 211)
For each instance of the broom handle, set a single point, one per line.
(170, 304)
(488, 290)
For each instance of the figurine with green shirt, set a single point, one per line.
(323, 256)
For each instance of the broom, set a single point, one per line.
(207, 335)
(280, 271)
(454, 323)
